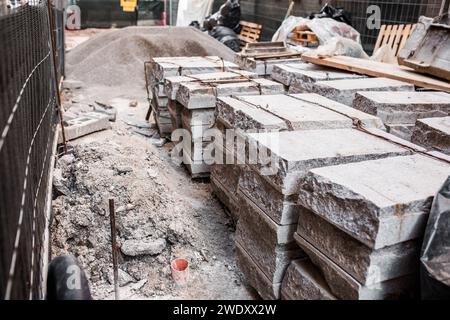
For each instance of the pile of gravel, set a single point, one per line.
(117, 58)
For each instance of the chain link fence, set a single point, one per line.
(28, 120)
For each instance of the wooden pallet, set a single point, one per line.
(250, 32)
(394, 36)
(305, 38)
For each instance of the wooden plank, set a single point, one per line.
(250, 24)
(398, 37)
(378, 69)
(392, 36)
(387, 33)
(380, 37)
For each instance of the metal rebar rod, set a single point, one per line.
(112, 218)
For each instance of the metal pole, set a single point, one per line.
(112, 218)
(55, 71)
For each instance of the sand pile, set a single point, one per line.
(117, 58)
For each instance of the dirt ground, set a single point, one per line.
(157, 204)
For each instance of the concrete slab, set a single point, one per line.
(344, 91)
(433, 133)
(315, 148)
(402, 131)
(171, 84)
(403, 108)
(263, 67)
(175, 109)
(366, 265)
(344, 286)
(85, 124)
(271, 246)
(226, 198)
(163, 67)
(381, 202)
(197, 95)
(300, 76)
(256, 278)
(303, 281)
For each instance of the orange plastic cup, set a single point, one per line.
(180, 271)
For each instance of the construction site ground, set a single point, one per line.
(157, 203)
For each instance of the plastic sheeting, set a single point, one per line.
(324, 28)
(193, 10)
(435, 255)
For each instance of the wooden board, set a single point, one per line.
(379, 69)
(394, 36)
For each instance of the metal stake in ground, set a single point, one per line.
(112, 218)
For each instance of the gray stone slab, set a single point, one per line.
(303, 281)
(171, 84)
(271, 246)
(85, 124)
(289, 112)
(225, 197)
(175, 110)
(344, 91)
(280, 208)
(263, 67)
(344, 286)
(300, 76)
(402, 131)
(163, 67)
(403, 108)
(381, 202)
(197, 95)
(198, 117)
(314, 148)
(197, 169)
(366, 265)
(255, 277)
(433, 133)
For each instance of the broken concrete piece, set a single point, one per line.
(366, 265)
(256, 278)
(135, 248)
(86, 124)
(344, 91)
(303, 281)
(403, 108)
(106, 109)
(433, 133)
(314, 148)
(344, 286)
(381, 202)
(197, 95)
(171, 84)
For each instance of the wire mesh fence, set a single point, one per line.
(27, 132)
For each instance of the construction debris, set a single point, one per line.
(87, 123)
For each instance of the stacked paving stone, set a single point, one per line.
(433, 134)
(399, 111)
(269, 210)
(271, 113)
(362, 223)
(344, 90)
(171, 85)
(300, 77)
(163, 67)
(198, 99)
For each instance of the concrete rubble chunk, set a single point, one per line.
(303, 281)
(135, 248)
(197, 95)
(172, 84)
(344, 91)
(433, 133)
(256, 278)
(381, 202)
(403, 108)
(315, 148)
(366, 265)
(344, 286)
(85, 124)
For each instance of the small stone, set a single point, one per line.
(123, 169)
(143, 247)
(159, 142)
(133, 104)
(152, 173)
